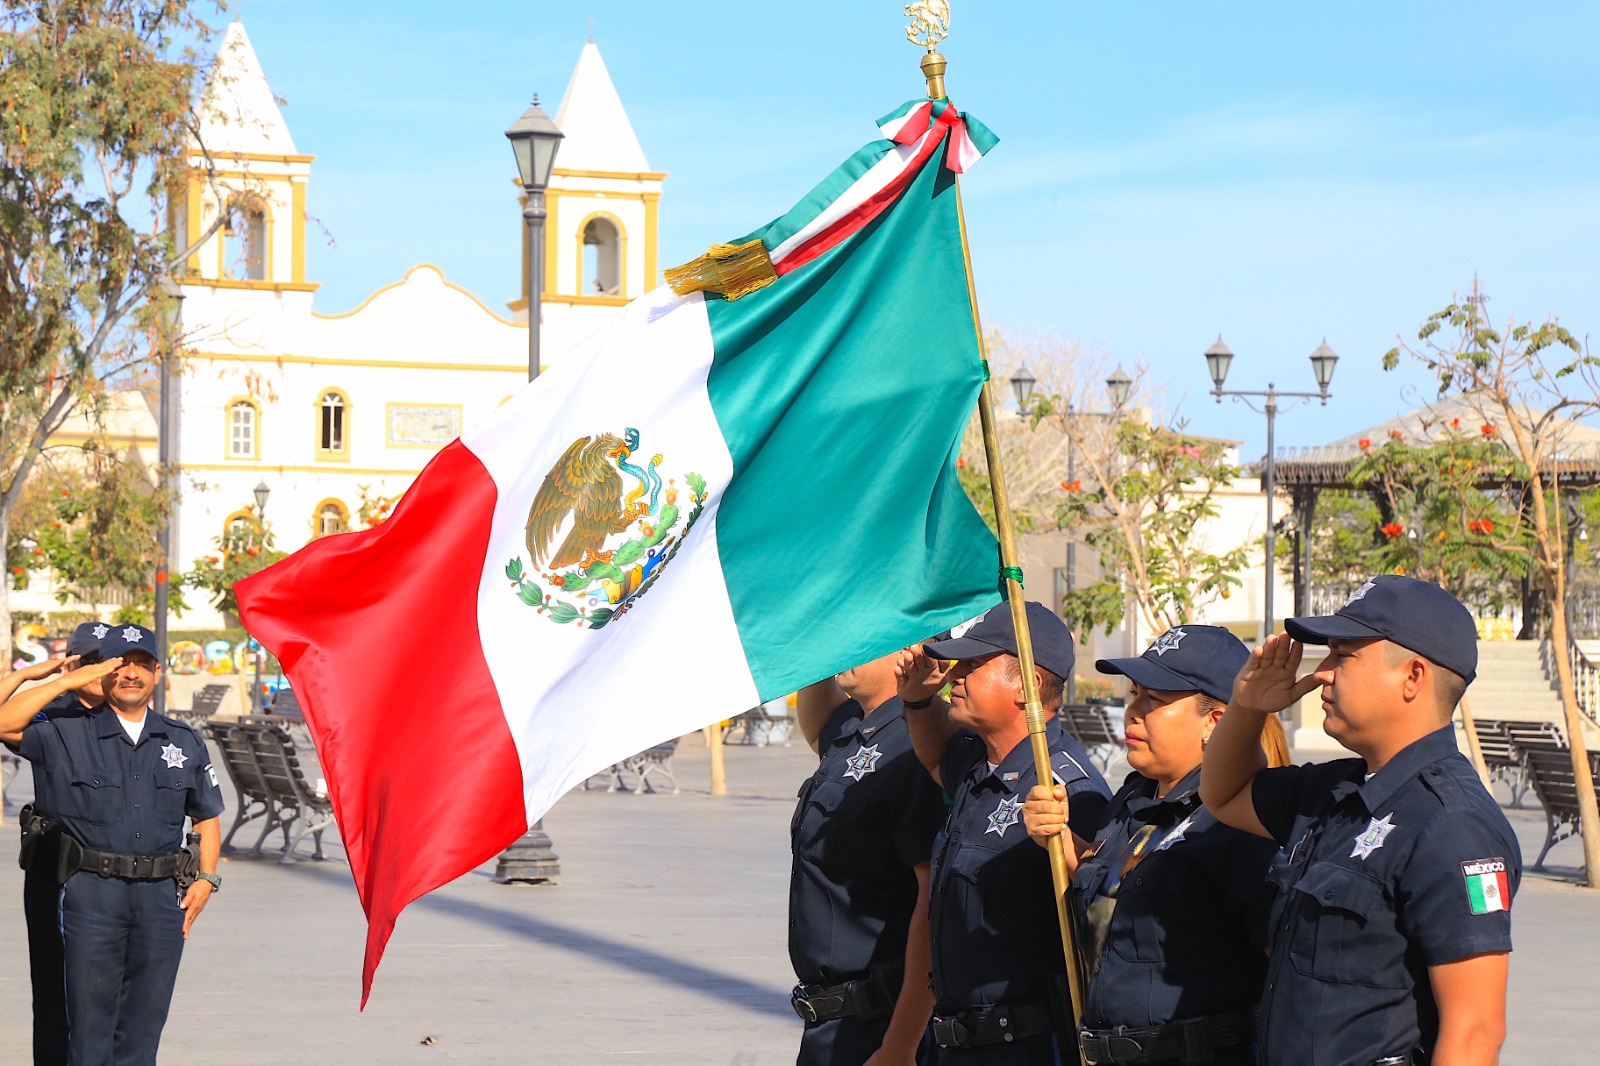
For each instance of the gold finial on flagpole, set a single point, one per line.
(930, 24)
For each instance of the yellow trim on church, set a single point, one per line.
(396, 284)
(376, 364)
(614, 175)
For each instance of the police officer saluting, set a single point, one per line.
(41, 890)
(120, 780)
(1392, 942)
(996, 944)
(1174, 904)
(858, 905)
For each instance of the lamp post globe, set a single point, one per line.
(534, 139)
(262, 491)
(1119, 386)
(1218, 359)
(1323, 360)
(1022, 383)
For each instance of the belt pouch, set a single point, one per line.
(69, 859)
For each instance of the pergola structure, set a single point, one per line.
(1305, 472)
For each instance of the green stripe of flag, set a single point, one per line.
(842, 391)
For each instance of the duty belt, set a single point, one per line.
(1001, 1024)
(866, 998)
(76, 858)
(1193, 1040)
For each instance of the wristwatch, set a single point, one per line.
(215, 879)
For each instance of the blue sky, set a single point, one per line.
(1276, 173)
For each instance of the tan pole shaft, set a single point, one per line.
(719, 776)
(1059, 877)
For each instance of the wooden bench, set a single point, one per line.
(655, 760)
(760, 727)
(1550, 772)
(1500, 757)
(267, 774)
(1090, 724)
(203, 705)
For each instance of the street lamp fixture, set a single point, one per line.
(534, 141)
(1119, 386)
(167, 460)
(1323, 360)
(1218, 358)
(263, 490)
(1022, 383)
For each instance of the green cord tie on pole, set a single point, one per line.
(1013, 573)
(985, 364)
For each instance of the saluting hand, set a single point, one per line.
(1268, 682)
(84, 675)
(36, 671)
(1045, 813)
(918, 675)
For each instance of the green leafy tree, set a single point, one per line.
(245, 548)
(1343, 539)
(96, 112)
(1532, 382)
(100, 533)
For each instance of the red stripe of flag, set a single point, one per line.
(378, 632)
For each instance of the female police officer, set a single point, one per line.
(1173, 904)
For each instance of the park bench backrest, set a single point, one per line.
(1554, 781)
(207, 700)
(280, 767)
(286, 704)
(1536, 733)
(235, 747)
(1495, 742)
(1091, 725)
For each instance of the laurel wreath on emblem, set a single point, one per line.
(590, 578)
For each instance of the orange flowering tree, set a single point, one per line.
(243, 549)
(1534, 383)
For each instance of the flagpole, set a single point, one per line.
(933, 67)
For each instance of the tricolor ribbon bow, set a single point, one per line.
(969, 139)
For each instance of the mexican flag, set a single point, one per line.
(724, 496)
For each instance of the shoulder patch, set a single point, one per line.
(1487, 887)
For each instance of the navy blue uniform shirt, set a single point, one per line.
(991, 906)
(1181, 902)
(865, 818)
(114, 795)
(1413, 868)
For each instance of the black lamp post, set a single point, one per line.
(1118, 387)
(534, 141)
(167, 461)
(262, 491)
(1323, 360)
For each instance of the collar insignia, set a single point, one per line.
(173, 756)
(863, 762)
(1169, 640)
(1004, 816)
(1371, 840)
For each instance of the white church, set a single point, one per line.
(326, 409)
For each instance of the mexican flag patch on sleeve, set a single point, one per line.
(1487, 889)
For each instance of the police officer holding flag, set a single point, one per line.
(1392, 944)
(118, 781)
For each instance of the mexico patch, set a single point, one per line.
(1487, 888)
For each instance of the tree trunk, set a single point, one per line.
(1588, 809)
(5, 591)
(1474, 749)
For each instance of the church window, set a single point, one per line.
(331, 517)
(602, 258)
(333, 425)
(244, 244)
(243, 430)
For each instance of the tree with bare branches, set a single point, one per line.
(1534, 382)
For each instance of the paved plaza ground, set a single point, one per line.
(663, 942)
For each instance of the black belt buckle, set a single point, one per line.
(1109, 1047)
(950, 1032)
(802, 1004)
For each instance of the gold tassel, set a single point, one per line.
(729, 270)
